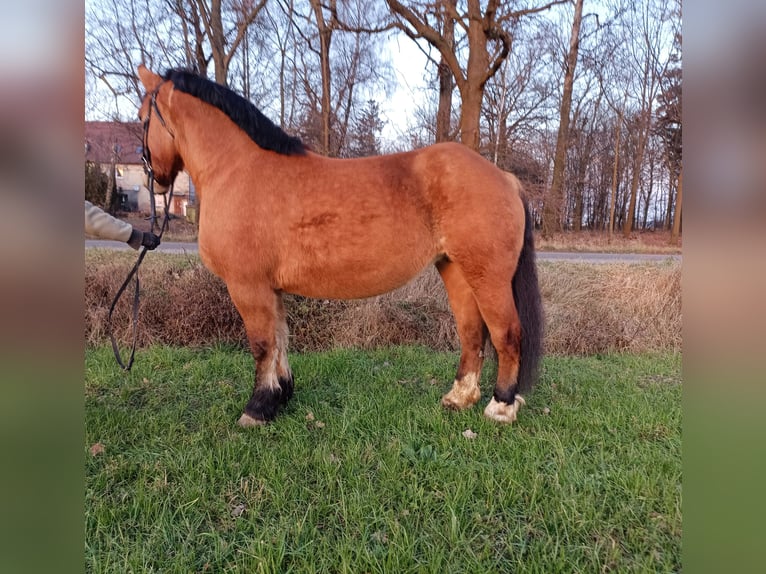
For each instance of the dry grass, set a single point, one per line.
(590, 308)
(599, 241)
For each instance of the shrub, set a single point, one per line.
(589, 308)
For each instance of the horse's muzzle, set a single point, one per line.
(159, 189)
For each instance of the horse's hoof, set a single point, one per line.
(452, 403)
(246, 421)
(504, 412)
(464, 393)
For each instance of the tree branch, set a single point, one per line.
(421, 29)
(242, 30)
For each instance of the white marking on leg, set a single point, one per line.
(282, 338)
(503, 412)
(465, 392)
(283, 366)
(269, 376)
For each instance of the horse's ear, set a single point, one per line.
(149, 79)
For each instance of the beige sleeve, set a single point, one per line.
(104, 226)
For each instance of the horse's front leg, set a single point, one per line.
(264, 317)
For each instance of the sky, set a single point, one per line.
(411, 73)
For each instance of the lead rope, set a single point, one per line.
(133, 274)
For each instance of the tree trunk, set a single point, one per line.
(218, 43)
(110, 185)
(444, 111)
(283, 45)
(470, 116)
(222, 49)
(675, 234)
(669, 206)
(579, 199)
(634, 181)
(472, 89)
(648, 195)
(325, 39)
(246, 66)
(481, 28)
(613, 199)
(553, 206)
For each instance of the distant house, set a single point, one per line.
(121, 143)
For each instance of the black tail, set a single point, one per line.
(526, 295)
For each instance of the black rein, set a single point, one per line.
(133, 274)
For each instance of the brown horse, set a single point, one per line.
(275, 217)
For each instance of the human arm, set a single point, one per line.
(104, 226)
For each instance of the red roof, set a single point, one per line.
(101, 138)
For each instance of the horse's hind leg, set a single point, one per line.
(498, 309)
(262, 312)
(465, 390)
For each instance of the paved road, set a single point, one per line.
(605, 257)
(166, 246)
(179, 247)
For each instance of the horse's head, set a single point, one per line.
(160, 153)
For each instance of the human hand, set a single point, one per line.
(143, 239)
(150, 240)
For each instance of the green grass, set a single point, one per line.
(382, 479)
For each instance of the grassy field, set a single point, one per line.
(364, 472)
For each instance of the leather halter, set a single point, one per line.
(146, 158)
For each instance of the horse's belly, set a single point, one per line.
(335, 256)
(354, 280)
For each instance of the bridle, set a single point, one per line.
(146, 158)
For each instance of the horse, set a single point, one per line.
(275, 217)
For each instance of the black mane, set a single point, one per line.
(249, 118)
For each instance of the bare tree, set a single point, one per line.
(555, 200)
(615, 167)
(325, 29)
(339, 35)
(488, 44)
(647, 58)
(119, 35)
(583, 145)
(193, 35)
(446, 82)
(669, 129)
(676, 231)
(281, 24)
(517, 98)
(214, 30)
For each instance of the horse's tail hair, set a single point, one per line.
(526, 296)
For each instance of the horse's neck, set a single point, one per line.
(207, 142)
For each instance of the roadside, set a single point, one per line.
(190, 247)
